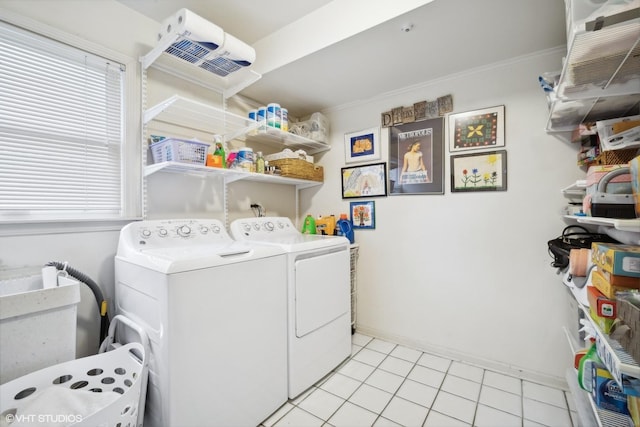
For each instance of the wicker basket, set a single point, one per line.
(298, 168)
(615, 157)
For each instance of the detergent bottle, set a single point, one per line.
(345, 228)
(309, 226)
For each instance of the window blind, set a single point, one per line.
(61, 131)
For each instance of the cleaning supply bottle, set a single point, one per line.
(259, 162)
(219, 149)
(345, 228)
(309, 226)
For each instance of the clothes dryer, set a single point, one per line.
(319, 299)
(215, 312)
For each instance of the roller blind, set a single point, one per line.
(61, 131)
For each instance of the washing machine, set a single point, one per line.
(319, 301)
(215, 311)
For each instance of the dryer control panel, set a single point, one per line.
(256, 228)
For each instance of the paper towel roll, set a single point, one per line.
(187, 24)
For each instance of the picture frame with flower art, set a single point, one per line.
(486, 171)
(363, 214)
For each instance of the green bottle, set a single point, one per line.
(219, 151)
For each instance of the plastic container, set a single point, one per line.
(179, 150)
(309, 226)
(107, 389)
(345, 228)
(273, 112)
(259, 162)
(37, 326)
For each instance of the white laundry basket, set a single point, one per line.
(121, 369)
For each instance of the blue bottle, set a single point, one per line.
(345, 228)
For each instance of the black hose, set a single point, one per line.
(97, 293)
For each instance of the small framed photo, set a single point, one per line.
(364, 181)
(486, 171)
(477, 129)
(362, 146)
(363, 214)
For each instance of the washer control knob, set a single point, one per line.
(256, 226)
(162, 232)
(215, 229)
(184, 231)
(269, 226)
(145, 233)
(204, 229)
(246, 226)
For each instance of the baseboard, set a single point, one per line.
(523, 373)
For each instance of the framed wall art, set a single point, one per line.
(364, 181)
(363, 214)
(486, 171)
(362, 146)
(473, 130)
(416, 158)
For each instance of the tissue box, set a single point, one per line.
(606, 392)
(600, 304)
(617, 258)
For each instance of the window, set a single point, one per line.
(62, 133)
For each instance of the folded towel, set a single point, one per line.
(58, 406)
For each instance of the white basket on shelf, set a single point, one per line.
(107, 389)
(179, 150)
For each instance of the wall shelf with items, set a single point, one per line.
(195, 115)
(616, 359)
(600, 78)
(281, 140)
(229, 175)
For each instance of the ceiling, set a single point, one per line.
(327, 53)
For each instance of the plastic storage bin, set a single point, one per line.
(37, 326)
(179, 150)
(107, 389)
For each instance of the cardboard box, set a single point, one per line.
(607, 289)
(603, 306)
(619, 133)
(606, 392)
(617, 258)
(604, 323)
(634, 166)
(622, 281)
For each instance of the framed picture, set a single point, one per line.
(364, 181)
(416, 158)
(476, 129)
(363, 214)
(486, 171)
(362, 146)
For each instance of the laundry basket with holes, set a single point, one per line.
(107, 389)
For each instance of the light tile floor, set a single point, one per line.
(384, 384)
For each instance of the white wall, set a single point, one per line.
(467, 273)
(463, 273)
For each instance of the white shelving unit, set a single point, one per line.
(229, 175)
(600, 78)
(189, 114)
(618, 362)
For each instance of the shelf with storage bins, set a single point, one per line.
(229, 175)
(616, 359)
(600, 78)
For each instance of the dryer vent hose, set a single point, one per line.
(97, 293)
